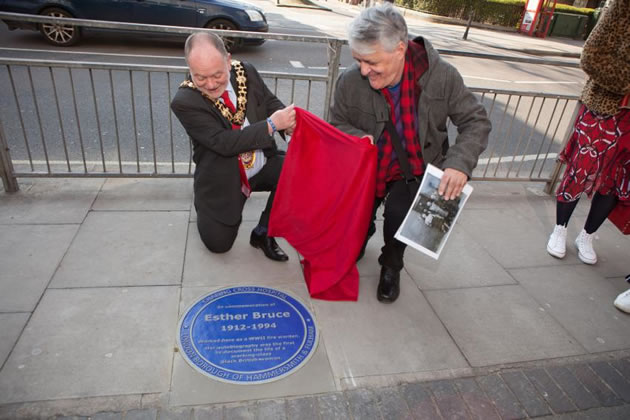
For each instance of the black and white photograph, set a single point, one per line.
(431, 218)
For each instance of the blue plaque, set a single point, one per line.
(247, 335)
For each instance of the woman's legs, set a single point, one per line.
(564, 210)
(557, 244)
(601, 206)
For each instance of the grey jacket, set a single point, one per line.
(359, 110)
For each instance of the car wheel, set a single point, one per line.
(58, 34)
(230, 43)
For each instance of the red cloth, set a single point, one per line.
(323, 204)
(245, 188)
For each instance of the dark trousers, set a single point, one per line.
(398, 199)
(218, 237)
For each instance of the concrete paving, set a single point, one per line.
(95, 275)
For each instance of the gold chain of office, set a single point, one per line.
(238, 118)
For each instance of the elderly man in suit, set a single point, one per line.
(231, 117)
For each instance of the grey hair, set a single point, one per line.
(379, 24)
(204, 38)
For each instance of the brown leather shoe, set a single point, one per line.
(269, 246)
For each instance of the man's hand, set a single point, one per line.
(452, 184)
(284, 119)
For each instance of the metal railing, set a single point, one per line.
(92, 119)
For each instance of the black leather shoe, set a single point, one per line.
(269, 246)
(389, 285)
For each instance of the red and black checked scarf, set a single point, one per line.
(416, 63)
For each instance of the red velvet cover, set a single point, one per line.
(323, 204)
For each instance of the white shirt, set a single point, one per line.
(260, 159)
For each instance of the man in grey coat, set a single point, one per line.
(400, 93)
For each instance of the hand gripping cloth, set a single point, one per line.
(323, 204)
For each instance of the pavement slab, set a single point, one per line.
(190, 387)
(500, 232)
(11, 326)
(93, 342)
(579, 299)
(142, 248)
(49, 201)
(29, 256)
(360, 334)
(144, 194)
(516, 329)
(463, 263)
(243, 264)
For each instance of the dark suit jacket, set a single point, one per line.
(216, 146)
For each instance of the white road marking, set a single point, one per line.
(519, 158)
(486, 78)
(544, 82)
(524, 82)
(91, 53)
(297, 64)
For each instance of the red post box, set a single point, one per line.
(537, 16)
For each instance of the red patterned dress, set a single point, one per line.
(597, 156)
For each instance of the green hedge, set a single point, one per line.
(494, 12)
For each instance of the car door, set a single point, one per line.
(115, 10)
(165, 12)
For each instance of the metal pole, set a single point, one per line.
(470, 19)
(550, 185)
(6, 165)
(334, 58)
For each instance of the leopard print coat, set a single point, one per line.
(606, 60)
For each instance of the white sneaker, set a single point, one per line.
(584, 244)
(623, 301)
(557, 245)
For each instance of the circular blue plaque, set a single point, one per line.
(247, 335)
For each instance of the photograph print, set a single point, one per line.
(431, 218)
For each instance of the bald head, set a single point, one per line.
(203, 41)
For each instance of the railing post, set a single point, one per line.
(334, 58)
(6, 166)
(470, 19)
(550, 185)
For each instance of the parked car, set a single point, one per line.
(216, 14)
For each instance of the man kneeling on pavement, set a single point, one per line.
(406, 82)
(231, 117)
